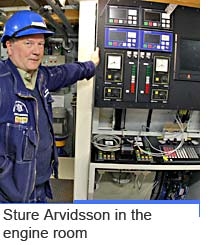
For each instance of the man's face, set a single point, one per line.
(26, 52)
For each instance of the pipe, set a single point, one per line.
(3, 16)
(34, 5)
(61, 15)
(45, 13)
(67, 44)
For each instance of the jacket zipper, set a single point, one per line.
(36, 128)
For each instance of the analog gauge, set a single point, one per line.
(162, 64)
(114, 62)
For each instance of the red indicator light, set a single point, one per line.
(132, 88)
(147, 88)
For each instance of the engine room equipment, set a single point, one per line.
(144, 150)
(173, 185)
(148, 56)
(60, 129)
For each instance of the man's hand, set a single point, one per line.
(95, 58)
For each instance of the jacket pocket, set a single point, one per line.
(18, 163)
(8, 189)
(20, 142)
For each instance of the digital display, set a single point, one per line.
(189, 55)
(117, 36)
(116, 13)
(149, 38)
(156, 40)
(122, 38)
(151, 16)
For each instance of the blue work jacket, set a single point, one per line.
(19, 115)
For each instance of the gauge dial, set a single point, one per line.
(114, 62)
(162, 64)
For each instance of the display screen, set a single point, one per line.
(116, 13)
(117, 36)
(189, 55)
(149, 38)
(151, 16)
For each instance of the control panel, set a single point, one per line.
(137, 68)
(144, 150)
(135, 76)
(138, 16)
(152, 18)
(137, 45)
(156, 41)
(186, 152)
(121, 38)
(128, 149)
(53, 60)
(118, 15)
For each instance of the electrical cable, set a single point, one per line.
(161, 152)
(111, 142)
(155, 183)
(149, 119)
(156, 192)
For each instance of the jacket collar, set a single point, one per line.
(19, 86)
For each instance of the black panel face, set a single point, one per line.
(187, 22)
(187, 60)
(190, 55)
(148, 59)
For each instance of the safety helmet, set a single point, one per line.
(23, 23)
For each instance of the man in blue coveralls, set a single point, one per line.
(28, 155)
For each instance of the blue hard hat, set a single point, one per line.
(23, 23)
